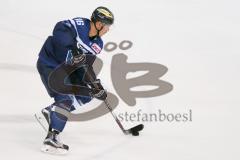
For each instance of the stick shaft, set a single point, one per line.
(114, 116)
(107, 104)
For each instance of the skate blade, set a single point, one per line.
(42, 121)
(52, 150)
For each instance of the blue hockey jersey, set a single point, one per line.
(66, 35)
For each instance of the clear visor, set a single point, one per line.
(109, 26)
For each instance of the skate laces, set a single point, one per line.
(57, 138)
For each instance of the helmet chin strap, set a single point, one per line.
(97, 30)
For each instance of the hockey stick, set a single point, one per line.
(134, 130)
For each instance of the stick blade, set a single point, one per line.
(135, 130)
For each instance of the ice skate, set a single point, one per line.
(53, 145)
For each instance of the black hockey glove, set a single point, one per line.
(75, 56)
(98, 90)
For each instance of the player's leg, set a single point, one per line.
(56, 121)
(77, 78)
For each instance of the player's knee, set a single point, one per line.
(83, 99)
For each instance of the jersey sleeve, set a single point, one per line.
(64, 35)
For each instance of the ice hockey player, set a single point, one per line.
(71, 39)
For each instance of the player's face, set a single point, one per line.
(105, 28)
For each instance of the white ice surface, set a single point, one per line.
(197, 40)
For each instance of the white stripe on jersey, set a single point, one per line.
(79, 39)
